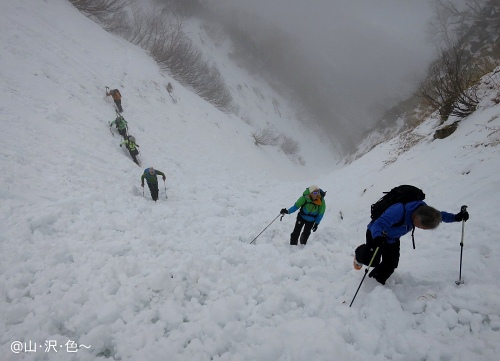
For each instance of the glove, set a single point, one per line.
(164, 178)
(284, 211)
(121, 145)
(462, 216)
(379, 241)
(315, 227)
(142, 185)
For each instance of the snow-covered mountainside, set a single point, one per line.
(92, 269)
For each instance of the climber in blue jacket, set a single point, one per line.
(385, 232)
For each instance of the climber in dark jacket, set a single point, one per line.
(150, 174)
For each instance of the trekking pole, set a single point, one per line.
(460, 281)
(143, 191)
(366, 271)
(267, 227)
(165, 184)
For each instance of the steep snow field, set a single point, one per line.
(90, 269)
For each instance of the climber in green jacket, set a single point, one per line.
(311, 206)
(150, 174)
(129, 142)
(121, 125)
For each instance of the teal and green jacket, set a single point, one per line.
(119, 122)
(310, 210)
(151, 178)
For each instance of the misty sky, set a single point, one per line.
(364, 51)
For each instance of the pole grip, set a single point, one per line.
(462, 209)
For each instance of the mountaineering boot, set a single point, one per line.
(357, 265)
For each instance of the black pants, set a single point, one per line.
(299, 223)
(384, 263)
(118, 103)
(133, 154)
(153, 188)
(123, 132)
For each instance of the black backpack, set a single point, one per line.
(401, 194)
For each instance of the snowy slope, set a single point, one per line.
(85, 257)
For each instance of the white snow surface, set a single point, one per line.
(85, 257)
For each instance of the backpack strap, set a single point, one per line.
(400, 223)
(413, 230)
(413, 237)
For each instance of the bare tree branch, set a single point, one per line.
(266, 136)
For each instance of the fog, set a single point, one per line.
(362, 54)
